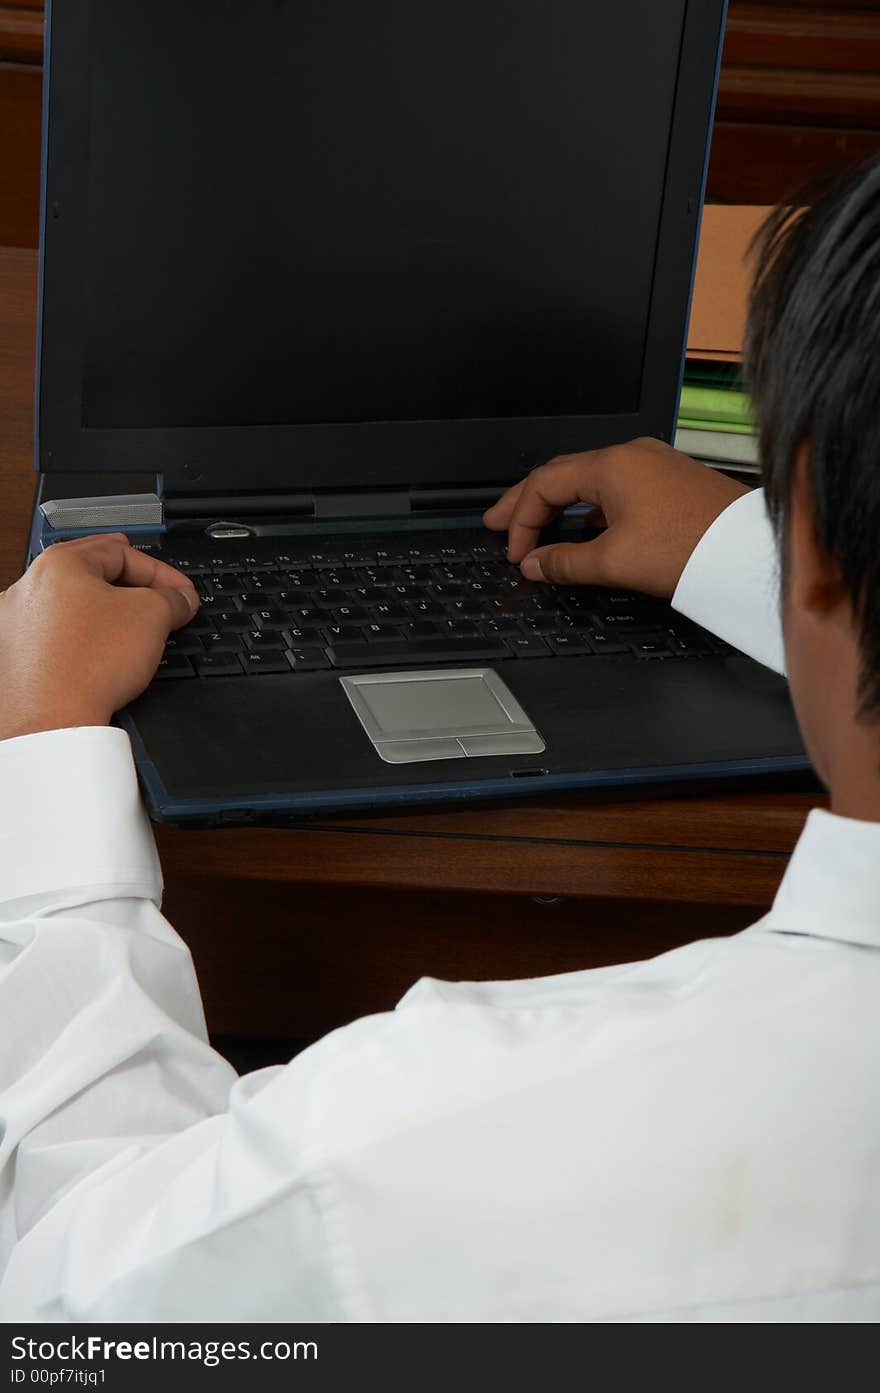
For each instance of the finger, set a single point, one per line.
(113, 557)
(570, 563)
(498, 516)
(553, 487)
(79, 542)
(179, 609)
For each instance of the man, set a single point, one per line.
(691, 1138)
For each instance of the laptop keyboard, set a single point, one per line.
(445, 600)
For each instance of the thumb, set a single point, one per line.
(569, 563)
(181, 603)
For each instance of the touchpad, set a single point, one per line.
(461, 714)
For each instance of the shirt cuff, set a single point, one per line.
(730, 585)
(72, 820)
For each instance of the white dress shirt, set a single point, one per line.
(696, 1137)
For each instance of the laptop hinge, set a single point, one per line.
(372, 503)
(474, 499)
(204, 505)
(368, 503)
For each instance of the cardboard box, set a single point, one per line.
(723, 278)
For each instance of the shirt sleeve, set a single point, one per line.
(104, 1044)
(730, 585)
(136, 1169)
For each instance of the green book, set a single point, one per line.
(724, 375)
(711, 404)
(728, 427)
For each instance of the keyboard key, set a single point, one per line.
(304, 614)
(383, 633)
(507, 604)
(387, 614)
(688, 645)
(499, 628)
(426, 651)
(292, 599)
(218, 665)
(350, 614)
(545, 604)
(298, 638)
(451, 575)
(223, 642)
(329, 596)
(265, 662)
(651, 648)
(545, 623)
(444, 592)
(175, 665)
(528, 646)
(622, 599)
(231, 619)
(373, 576)
(211, 603)
(518, 585)
(420, 628)
(462, 628)
(569, 645)
(343, 633)
(253, 599)
(270, 619)
(414, 575)
(265, 641)
(606, 643)
(624, 622)
(427, 609)
(307, 659)
(222, 582)
(263, 580)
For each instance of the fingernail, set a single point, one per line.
(191, 598)
(531, 568)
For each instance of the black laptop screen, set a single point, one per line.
(306, 211)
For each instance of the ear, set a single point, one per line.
(814, 582)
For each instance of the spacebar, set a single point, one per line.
(349, 653)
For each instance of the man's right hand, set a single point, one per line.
(656, 502)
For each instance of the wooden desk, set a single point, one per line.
(338, 918)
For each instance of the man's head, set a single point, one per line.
(813, 367)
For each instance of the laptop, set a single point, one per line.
(319, 279)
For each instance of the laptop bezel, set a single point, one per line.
(382, 454)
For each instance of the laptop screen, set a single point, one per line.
(312, 211)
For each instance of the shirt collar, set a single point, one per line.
(831, 887)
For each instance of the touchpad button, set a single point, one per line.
(445, 714)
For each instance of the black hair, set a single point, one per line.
(812, 365)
